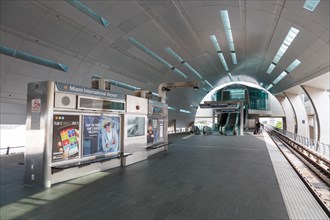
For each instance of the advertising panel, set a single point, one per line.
(101, 134)
(135, 126)
(155, 130)
(65, 137)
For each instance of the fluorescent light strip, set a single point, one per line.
(176, 56)
(171, 108)
(269, 87)
(180, 73)
(32, 59)
(208, 83)
(185, 111)
(311, 4)
(205, 90)
(283, 48)
(222, 58)
(193, 70)
(89, 12)
(155, 94)
(123, 85)
(230, 77)
(229, 35)
(280, 77)
(293, 65)
(218, 49)
(155, 56)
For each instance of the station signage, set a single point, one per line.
(63, 87)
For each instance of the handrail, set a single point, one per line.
(317, 146)
(8, 148)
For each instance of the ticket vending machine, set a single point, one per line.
(71, 131)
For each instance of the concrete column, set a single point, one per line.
(301, 115)
(290, 117)
(320, 102)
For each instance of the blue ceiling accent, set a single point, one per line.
(33, 59)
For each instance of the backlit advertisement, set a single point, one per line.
(101, 134)
(135, 126)
(66, 137)
(155, 131)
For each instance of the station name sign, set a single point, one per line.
(218, 105)
(63, 87)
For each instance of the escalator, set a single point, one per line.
(222, 122)
(231, 127)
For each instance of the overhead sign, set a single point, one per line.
(218, 105)
(63, 87)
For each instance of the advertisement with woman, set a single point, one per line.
(155, 131)
(101, 134)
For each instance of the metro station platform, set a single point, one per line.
(200, 177)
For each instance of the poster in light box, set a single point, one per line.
(135, 126)
(101, 134)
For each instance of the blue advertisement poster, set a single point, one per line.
(101, 134)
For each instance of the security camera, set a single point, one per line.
(195, 87)
(165, 89)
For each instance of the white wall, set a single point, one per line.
(320, 101)
(289, 113)
(301, 115)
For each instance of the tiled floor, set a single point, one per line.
(201, 177)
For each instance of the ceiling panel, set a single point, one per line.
(20, 15)
(56, 30)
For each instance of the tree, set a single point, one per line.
(279, 125)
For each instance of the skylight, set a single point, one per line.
(288, 70)
(283, 48)
(219, 52)
(293, 65)
(89, 12)
(311, 4)
(155, 56)
(281, 76)
(229, 35)
(176, 56)
(271, 68)
(269, 87)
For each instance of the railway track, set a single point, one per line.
(311, 167)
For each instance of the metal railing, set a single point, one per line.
(319, 147)
(10, 150)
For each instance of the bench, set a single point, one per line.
(98, 159)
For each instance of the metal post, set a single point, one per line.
(7, 153)
(242, 118)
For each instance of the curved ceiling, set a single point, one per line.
(58, 31)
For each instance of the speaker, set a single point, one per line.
(64, 100)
